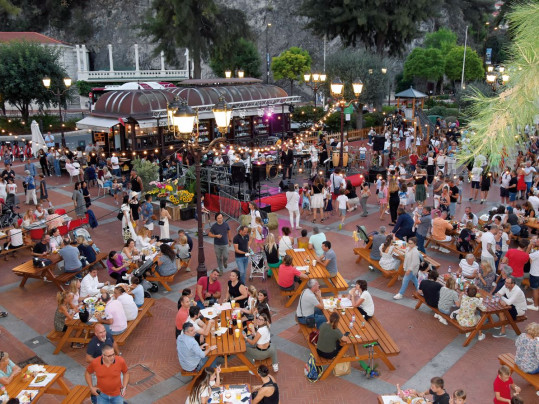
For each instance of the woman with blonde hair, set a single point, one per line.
(271, 248)
(485, 276)
(527, 355)
(74, 287)
(251, 302)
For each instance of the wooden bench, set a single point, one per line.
(77, 395)
(282, 292)
(312, 347)
(55, 335)
(452, 246)
(67, 276)
(5, 253)
(385, 341)
(339, 283)
(508, 359)
(365, 253)
(144, 310)
(163, 280)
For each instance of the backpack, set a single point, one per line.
(265, 232)
(312, 372)
(264, 217)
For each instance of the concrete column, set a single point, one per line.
(77, 50)
(186, 59)
(84, 55)
(136, 57)
(111, 63)
(162, 61)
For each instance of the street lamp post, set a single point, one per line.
(337, 89)
(58, 94)
(267, 53)
(384, 71)
(314, 81)
(184, 119)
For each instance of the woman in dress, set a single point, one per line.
(286, 242)
(78, 201)
(85, 193)
(467, 314)
(430, 168)
(527, 355)
(382, 199)
(43, 193)
(394, 200)
(313, 151)
(420, 183)
(259, 346)
(134, 206)
(387, 261)
(164, 217)
(128, 231)
(317, 198)
(521, 185)
(236, 290)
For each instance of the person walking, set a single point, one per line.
(412, 259)
(108, 369)
(164, 217)
(241, 249)
(292, 205)
(30, 188)
(220, 232)
(394, 200)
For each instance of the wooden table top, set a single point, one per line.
(227, 344)
(19, 383)
(305, 258)
(361, 331)
(28, 266)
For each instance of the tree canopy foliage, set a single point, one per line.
(23, 65)
(443, 39)
(7, 7)
(385, 27)
(243, 55)
(428, 64)
(290, 65)
(453, 64)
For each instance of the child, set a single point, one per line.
(410, 197)
(306, 198)
(459, 397)
(439, 395)
(342, 200)
(116, 190)
(257, 233)
(303, 241)
(424, 269)
(502, 386)
(362, 156)
(459, 183)
(403, 195)
(183, 254)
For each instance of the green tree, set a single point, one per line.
(427, 64)
(290, 65)
(7, 7)
(453, 65)
(385, 27)
(22, 68)
(198, 25)
(444, 39)
(243, 55)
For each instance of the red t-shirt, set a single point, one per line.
(181, 317)
(108, 377)
(286, 275)
(504, 388)
(516, 260)
(413, 159)
(207, 285)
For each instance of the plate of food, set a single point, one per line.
(209, 313)
(90, 300)
(418, 400)
(27, 396)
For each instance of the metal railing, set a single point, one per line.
(132, 75)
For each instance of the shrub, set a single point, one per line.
(147, 171)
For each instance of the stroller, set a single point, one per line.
(258, 266)
(8, 215)
(140, 272)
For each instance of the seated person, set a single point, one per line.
(469, 268)
(303, 241)
(128, 304)
(191, 356)
(202, 329)
(288, 274)
(8, 369)
(57, 240)
(54, 220)
(42, 247)
(90, 285)
(116, 321)
(468, 314)
(236, 290)
(183, 253)
(330, 338)
(143, 239)
(527, 355)
(70, 254)
(166, 264)
(362, 299)
(310, 305)
(72, 169)
(208, 289)
(116, 266)
(137, 291)
(129, 251)
(259, 345)
(86, 250)
(14, 237)
(449, 298)
(377, 241)
(439, 226)
(218, 161)
(40, 213)
(329, 259)
(431, 289)
(271, 249)
(439, 395)
(387, 261)
(99, 340)
(28, 219)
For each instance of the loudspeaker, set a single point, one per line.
(378, 143)
(238, 173)
(259, 172)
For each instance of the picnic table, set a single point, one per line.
(20, 383)
(364, 336)
(80, 332)
(231, 393)
(27, 270)
(304, 258)
(494, 307)
(228, 345)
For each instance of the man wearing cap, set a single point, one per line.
(30, 188)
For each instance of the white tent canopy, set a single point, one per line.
(38, 142)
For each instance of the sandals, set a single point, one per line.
(3, 314)
(314, 220)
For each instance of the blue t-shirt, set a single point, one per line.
(8, 372)
(138, 294)
(70, 255)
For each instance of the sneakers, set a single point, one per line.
(481, 337)
(482, 200)
(529, 300)
(437, 316)
(187, 269)
(467, 334)
(275, 367)
(398, 296)
(340, 226)
(371, 268)
(435, 246)
(533, 307)
(442, 320)
(444, 250)
(500, 335)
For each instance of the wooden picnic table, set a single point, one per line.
(318, 272)
(19, 383)
(227, 345)
(218, 393)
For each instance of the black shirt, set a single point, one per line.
(454, 196)
(431, 292)
(243, 244)
(513, 181)
(134, 210)
(8, 174)
(273, 255)
(135, 186)
(40, 248)
(95, 345)
(88, 252)
(439, 399)
(512, 219)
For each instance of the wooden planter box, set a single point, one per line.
(187, 213)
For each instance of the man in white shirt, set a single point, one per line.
(114, 162)
(534, 200)
(514, 297)
(534, 275)
(488, 246)
(529, 171)
(90, 285)
(337, 181)
(218, 161)
(504, 186)
(466, 217)
(469, 267)
(476, 179)
(49, 139)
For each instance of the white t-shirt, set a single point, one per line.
(468, 270)
(314, 153)
(345, 148)
(362, 152)
(114, 163)
(218, 161)
(476, 174)
(292, 200)
(506, 177)
(515, 297)
(16, 237)
(342, 199)
(534, 263)
(486, 239)
(368, 304)
(130, 308)
(534, 200)
(528, 174)
(264, 335)
(336, 182)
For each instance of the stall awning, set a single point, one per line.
(95, 123)
(152, 123)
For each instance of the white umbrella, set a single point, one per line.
(38, 142)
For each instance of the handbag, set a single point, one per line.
(84, 316)
(120, 216)
(313, 337)
(161, 222)
(342, 369)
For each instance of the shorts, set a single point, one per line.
(512, 196)
(306, 205)
(534, 282)
(343, 212)
(362, 157)
(504, 192)
(475, 184)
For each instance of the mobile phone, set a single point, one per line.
(245, 398)
(347, 333)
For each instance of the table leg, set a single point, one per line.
(297, 292)
(395, 277)
(383, 357)
(63, 340)
(247, 363)
(23, 281)
(334, 362)
(210, 360)
(512, 322)
(476, 330)
(63, 390)
(359, 258)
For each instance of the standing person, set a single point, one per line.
(382, 198)
(453, 197)
(134, 205)
(420, 182)
(504, 186)
(364, 196)
(128, 232)
(488, 245)
(342, 202)
(49, 139)
(534, 275)
(287, 160)
(114, 162)
(292, 205)
(317, 199)
(78, 201)
(136, 182)
(485, 185)
(164, 217)
(254, 213)
(108, 369)
(30, 188)
(43, 193)
(220, 232)
(86, 194)
(423, 224)
(503, 385)
(394, 200)
(313, 151)
(147, 212)
(412, 259)
(241, 251)
(44, 163)
(516, 258)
